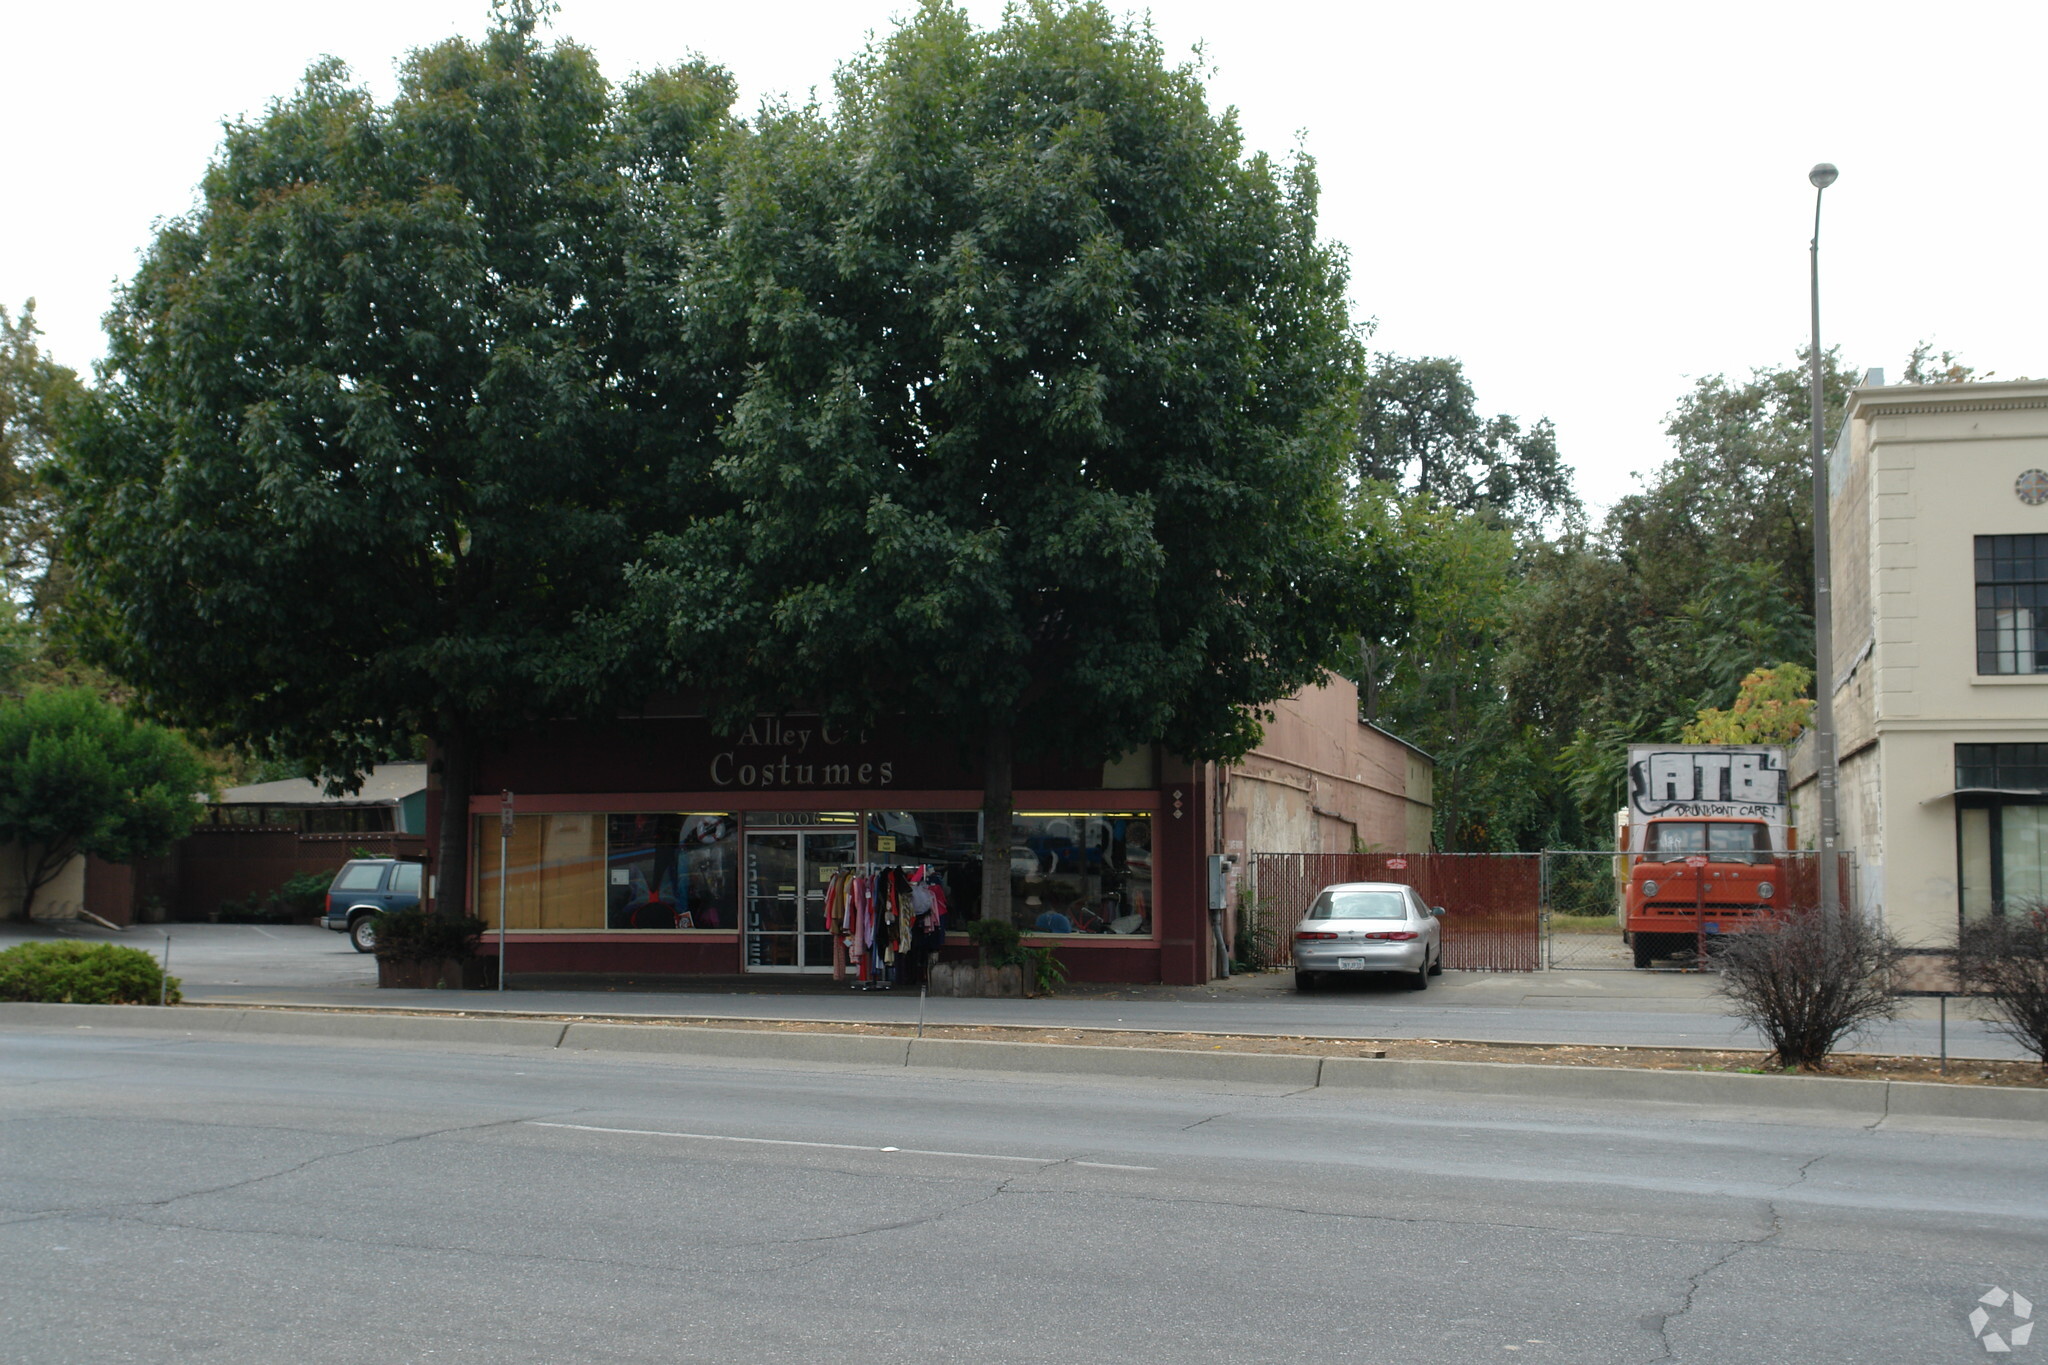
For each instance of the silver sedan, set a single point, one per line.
(1368, 927)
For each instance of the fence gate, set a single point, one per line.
(1581, 910)
(1492, 901)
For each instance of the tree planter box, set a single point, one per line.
(446, 974)
(973, 979)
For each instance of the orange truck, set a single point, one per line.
(1701, 842)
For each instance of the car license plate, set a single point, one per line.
(1351, 964)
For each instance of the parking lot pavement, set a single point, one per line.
(204, 956)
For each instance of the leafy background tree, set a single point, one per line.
(77, 775)
(32, 390)
(1539, 647)
(1419, 430)
(397, 403)
(1771, 708)
(1048, 395)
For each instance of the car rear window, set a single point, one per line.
(1359, 905)
(406, 877)
(359, 877)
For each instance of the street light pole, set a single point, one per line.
(1820, 177)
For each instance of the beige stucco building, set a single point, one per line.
(1323, 781)
(1939, 498)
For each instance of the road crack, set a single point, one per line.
(116, 1208)
(1659, 1324)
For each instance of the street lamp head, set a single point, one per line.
(1822, 176)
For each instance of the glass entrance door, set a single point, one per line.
(787, 872)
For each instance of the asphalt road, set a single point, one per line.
(289, 964)
(266, 1201)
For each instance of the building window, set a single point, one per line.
(947, 841)
(557, 872)
(672, 872)
(2012, 596)
(1083, 873)
(2002, 768)
(2001, 827)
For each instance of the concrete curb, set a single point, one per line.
(1078, 1059)
(743, 1044)
(1719, 1089)
(291, 1024)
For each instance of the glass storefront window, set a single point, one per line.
(666, 871)
(556, 876)
(2023, 839)
(2002, 854)
(1081, 873)
(949, 841)
(1974, 832)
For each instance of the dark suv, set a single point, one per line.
(362, 888)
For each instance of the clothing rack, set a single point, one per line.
(880, 915)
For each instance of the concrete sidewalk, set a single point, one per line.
(296, 965)
(1731, 1092)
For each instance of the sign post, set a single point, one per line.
(504, 875)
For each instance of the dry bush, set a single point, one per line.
(2003, 963)
(1809, 982)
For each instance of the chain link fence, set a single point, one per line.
(1582, 893)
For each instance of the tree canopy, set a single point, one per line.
(1419, 430)
(32, 386)
(398, 401)
(1048, 392)
(1529, 677)
(1771, 708)
(78, 776)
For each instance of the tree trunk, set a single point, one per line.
(457, 746)
(1368, 680)
(34, 878)
(998, 802)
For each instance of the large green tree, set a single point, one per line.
(78, 776)
(1419, 429)
(1738, 486)
(395, 404)
(32, 386)
(1046, 408)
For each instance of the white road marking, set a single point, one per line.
(836, 1146)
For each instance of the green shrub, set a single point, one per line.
(1043, 969)
(1249, 954)
(305, 894)
(415, 936)
(1000, 943)
(84, 974)
(299, 898)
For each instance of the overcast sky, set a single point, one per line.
(1588, 204)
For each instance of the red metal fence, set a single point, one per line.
(1492, 901)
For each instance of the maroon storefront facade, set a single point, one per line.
(708, 830)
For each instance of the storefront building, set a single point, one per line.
(1939, 520)
(654, 846)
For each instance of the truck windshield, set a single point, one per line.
(1722, 841)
